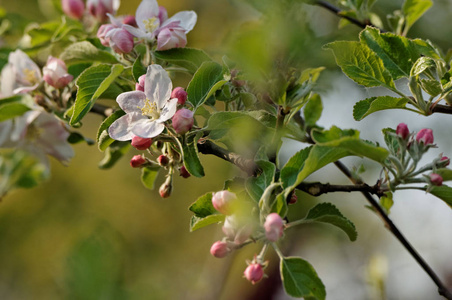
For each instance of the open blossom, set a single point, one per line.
(39, 133)
(152, 22)
(55, 73)
(237, 228)
(19, 75)
(145, 111)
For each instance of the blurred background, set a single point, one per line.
(93, 234)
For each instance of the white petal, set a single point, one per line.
(147, 128)
(158, 85)
(5, 130)
(146, 10)
(22, 62)
(168, 110)
(115, 21)
(137, 32)
(120, 130)
(7, 83)
(131, 102)
(186, 18)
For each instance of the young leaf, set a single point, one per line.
(255, 186)
(103, 139)
(91, 84)
(328, 213)
(207, 79)
(293, 166)
(148, 176)
(431, 86)
(443, 192)
(386, 202)
(114, 152)
(300, 279)
(203, 206)
(138, 69)
(313, 110)
(12, 110)
(361, 64)
(198, 223)
(85, 52)
(413, 10)
(445, 173)
(191, 156)
(188, 58)
(370, 105)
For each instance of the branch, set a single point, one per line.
(338, 12)
(442, 290)
(317, 188)
(102, 110)
(442, 109)
(244, 164)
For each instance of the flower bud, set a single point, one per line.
(180, 94)
(100, 8)
(120, 40)
(171, 37)
(73, 8)
(163, 14)
(425, 136)
(436, 179)
(293, 199)
(183, 172)
(166, 188)
(254, 272)
(220, 249)
(443, 162)
(163, 160)
(139, 86)
(140, 143)
(223, 201)
(402, 131)
(274, 227)
(183, 120)
(102, 33)
(55, 73)
(137, 161)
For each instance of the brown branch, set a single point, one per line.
(317, 188)
(442, 109)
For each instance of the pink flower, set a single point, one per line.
(137, 161)
(274, 227)
(55, 73)
(120, 40)
(180, 94)
(223, 201)
(237, 228)
(73, 8)
(254, 272)
(171, 37)
(140, 143)
(139, 86)
(436, 179)
(100, 8)
(220, 249)
(402, 130)
(102, 33)
(425, 136)
(183, 121)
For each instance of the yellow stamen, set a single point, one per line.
(150, 110)
(30, 76)
(33, 132)
(150, 24)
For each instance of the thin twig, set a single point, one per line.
(317, 188)
(442, 109)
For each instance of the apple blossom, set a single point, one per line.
(139, 86)
(402, 130)
(425, 136)
(254, 272)
(55, 73)
(274, 227)
(183, 120)
(220, 249)
(223, 201)
(100, 8)
(120, 40)
(145, 111)
(102, 33)
(73, 8)
(140, 143)
(237, 228)
(171, 37)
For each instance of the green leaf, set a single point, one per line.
(191, 156)
(203, 207)
(422, 64)
(445, 173)
(85, 52)
(280, 204)
(188, 58)
(103, 139)
(113, 153)
(198, 223)
(328, 213)
(397, 52)
(255, 186)
(148, 176)
(443, 192)
(207, 79)
(431, 86)
(12, 110)
(386, 202)
(91, 84)
(361, 64)
(413, 10)
(293, 166)
(370, 105)
(75, 138)
(313, 110)
(391, 140)
(138, 68)
(300, 279)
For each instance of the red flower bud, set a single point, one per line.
(73, 8)
(425, 136)
(183, 172)
(137, 161)
(140, 143)
(293, 199)
(254, 272)
(436, 179)
(183, 120)
(165, 189)
(163, 160)
(402, 130)
(180, 94)
(445, 161)
(274, 227)
(220, 249)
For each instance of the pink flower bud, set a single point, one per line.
(183, 172)
(102, 33)
(163, 160)
(274, 227)
(130, 20)
(180, 94)
(163, 14)
(425, 136)
(171, 37)
(165, 189)
(73, 8)
(293, 199)
(120, 40)
(139, 86)
(444, 161)
(140, 143)
(436, 179)
(137, 161)
(183, 120)
(254, 272)
(220, 249)
(55, 73)
(402, 131)
(223, 201)
(100, 8)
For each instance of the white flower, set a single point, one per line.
(145, 111)
(148, 21)
(20, 75)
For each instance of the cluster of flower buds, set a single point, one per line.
(96, 8)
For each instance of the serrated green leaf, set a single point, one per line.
(103, 139)
(426, 48)
(148, 176)
(422, 64)
(203, 206)
(413, 10)
(397, 52)
(370, 105)
(138, 68)
(313, 110)
(188, 58)
(431, 86)
(300, 279)
(91, 84)
(255, 186)
(293, 166)
(12, 110)
(328, 213)
(361, 64)
(113, 153)
(207, 79)
(191, 156)
(85, 52)
(391, 140)
(445, 173)
(443, 192)
(198, 223)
